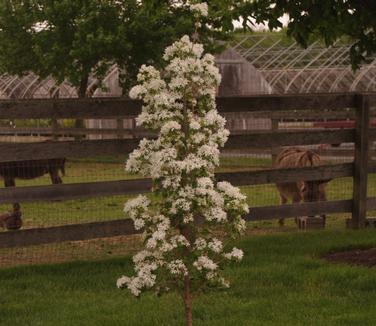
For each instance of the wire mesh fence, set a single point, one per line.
(44, 214)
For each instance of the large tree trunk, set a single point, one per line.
(81, 92)
(54, 93)
(187, 301)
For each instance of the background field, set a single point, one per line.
(44, 214)
(40, 214)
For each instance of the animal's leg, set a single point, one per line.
(297, 198)
(323, 198)
(283, 199)
(3, 219)
(9, 182)
(55, 178)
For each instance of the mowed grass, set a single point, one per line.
(282, 280)
(39, 214)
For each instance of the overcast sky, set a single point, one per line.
(259, 27)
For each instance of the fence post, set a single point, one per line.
(360, 177)
(120, 128)
(275, 150)
(54, 129)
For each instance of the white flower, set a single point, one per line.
(137, 91)
(235, 254)
(151, 243)
(134, 286)
(177, 267)
(197, 49)
(224, 283)
(216, 214)
(139, 223)
(204, 262)
(188, 218)
(230, 190)
(211, 275)
(240, 225)
(200, 243)
(182, 204)
(198, 138)
(210, 152)
(166, 247)
(124, 280)
(195, 125)
(200, 8)
(180, 240)
(213, 118)
(205, 183)
(170, 126)
(159, 235)
(140, 256)
(215, 245)
(136, 207)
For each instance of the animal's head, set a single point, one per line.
(314, 190)
(16, 207)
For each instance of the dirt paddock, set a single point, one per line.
(362, 257)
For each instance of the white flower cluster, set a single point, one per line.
(235, 254)
(181, 162)
(145, 266)
(177, 267)
(204, 262)
(200, 8)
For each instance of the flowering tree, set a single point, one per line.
(190, 217)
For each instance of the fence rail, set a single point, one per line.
(361, 136)
(86, 148)
(109, 108)
(122, 187)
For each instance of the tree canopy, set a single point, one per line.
(74, 39)
(68, 40)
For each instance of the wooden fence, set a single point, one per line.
(337, 105)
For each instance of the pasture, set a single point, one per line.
(283, 280)
(106, 168)
(112, 168)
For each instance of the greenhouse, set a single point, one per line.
(256, 63)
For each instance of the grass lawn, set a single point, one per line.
(281, 281)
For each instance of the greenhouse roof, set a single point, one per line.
(289, 68)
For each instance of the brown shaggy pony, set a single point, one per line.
(307, 191)
(12, 220)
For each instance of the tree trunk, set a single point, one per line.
(81, 92)
(83, 86)
(187, 301)
(54, 93)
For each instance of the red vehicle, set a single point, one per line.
(339, 124)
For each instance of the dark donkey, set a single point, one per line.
(307, 191)
(29, 169)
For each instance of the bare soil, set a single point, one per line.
(362, 257)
